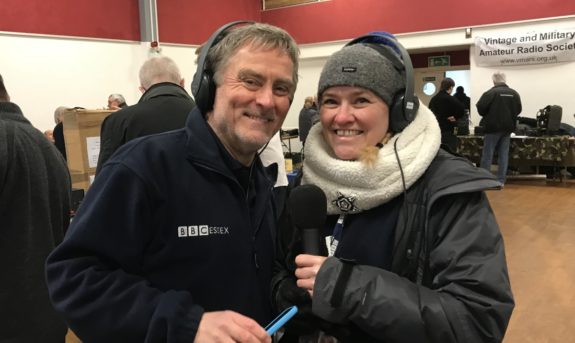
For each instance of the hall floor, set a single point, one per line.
(537, 219)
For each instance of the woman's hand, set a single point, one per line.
(307, 269)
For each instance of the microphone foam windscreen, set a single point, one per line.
(308, 206)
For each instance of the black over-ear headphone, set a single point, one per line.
(405, 103)
(203, 85)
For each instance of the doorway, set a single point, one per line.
(428, 81)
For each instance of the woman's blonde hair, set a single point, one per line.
(368, 155)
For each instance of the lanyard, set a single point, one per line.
(336, 236)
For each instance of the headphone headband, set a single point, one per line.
(202, 84)
(409, 102)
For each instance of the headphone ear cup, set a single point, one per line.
(411, 113)
(397, 121)
(399, 115)
(205, 93)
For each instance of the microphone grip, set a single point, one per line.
(311, 242)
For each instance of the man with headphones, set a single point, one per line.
(174, 241)
(415, 252)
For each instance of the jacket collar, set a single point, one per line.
(162, 89)
(501, 85)
(11, 111)
(202, 144)
(204, 147)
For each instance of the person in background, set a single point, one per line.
(499, 106)
(462, 123)
(415, 252)
(34, 215)
(447, 110)
(58, 131)
(164, 106)
(174, 242)
(49, 134)
(307, 117)
(462, 97)
(116, 101)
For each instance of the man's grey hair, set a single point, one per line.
(259, 36)
(159, 69)
(498, 78)
(59, 114)
(117, 97)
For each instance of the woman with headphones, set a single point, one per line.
(414, 251)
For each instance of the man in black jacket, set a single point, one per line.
(499, 106)
(447, 110)
(174, 241)
(164, 106)
(34, 214)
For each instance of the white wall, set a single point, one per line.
(42, 73)
(309, 72)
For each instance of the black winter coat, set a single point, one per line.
(163, 107)
(448, 278)
(443, 106)
(500, 106)
(34, 215)
(165, 233)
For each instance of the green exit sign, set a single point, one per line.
(438, 61)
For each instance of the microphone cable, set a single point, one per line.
(402, 182)
(406, 220)
(404, 205)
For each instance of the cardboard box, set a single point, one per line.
(82, 138)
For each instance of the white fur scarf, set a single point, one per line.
(353, 186)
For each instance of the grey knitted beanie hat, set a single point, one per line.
(359, 65)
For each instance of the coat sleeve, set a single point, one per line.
(111, 138)
(106, 148)
(483, 103)
(468, 299)
(519, 107)
(287, 247)
(94, 275)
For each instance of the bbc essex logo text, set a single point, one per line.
(201, 230)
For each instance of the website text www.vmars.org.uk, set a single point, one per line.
(527, 60)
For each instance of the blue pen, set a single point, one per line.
(280, 320)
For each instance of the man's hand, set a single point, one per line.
(229, 326)
(307, 269)
(289, 294)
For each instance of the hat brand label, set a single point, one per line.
(348, 69)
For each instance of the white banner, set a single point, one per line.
(533, 47)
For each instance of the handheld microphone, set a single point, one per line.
(309, 210)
